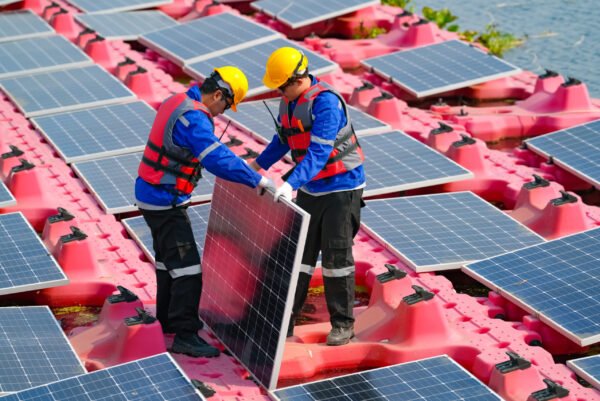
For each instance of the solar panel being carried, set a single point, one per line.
(250, 266)
(575, 149)
(61, 91)
(155, 378)
(33, 349)
(207, 37)
(252, 61)
(587, 368)
(437, 378)
(25, 263)
(113, 6)
(98, 132)
(558, 281)
(296, 14)
(6, 197)
(126, 26)
(439, 68)
(444, 231)
(22, 24)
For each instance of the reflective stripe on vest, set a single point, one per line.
(346, 154)
(163, 161)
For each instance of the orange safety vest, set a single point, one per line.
(164, 162)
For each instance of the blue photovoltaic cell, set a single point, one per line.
(22, 24)
(438, 378)
(252, 61)
(98, 132)
(157, 378)
(33, 349)
(396, 162)
(6, 197)
(33, 55)
(444, 231)
(575, 149)
(111, 6)
(25, 263)
(138, 229)
(126, 26)
(440, 67)
(559, 281)
(59, 91)
(111, 181)
(587, 368)
(207, 37)
(300, 13)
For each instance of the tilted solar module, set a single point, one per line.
(444, 231)
(113, 6)
(439, 67)
(128, 25)
(33, 349)
(98, 132)
(558, 281)
(250, 265)
(6, 197)
(61, 91)
(587, 368)
(575, 149)
(207, 37)
(437, 378)
(22, 24)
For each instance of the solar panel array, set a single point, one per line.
(252, 60)
(40, 54)
(6, 197)
(438, 378)
(559, 281)
(575, 149)
(25, 263)
(250, 266)
(112, 6)
(33, 349)
(98, 132)
(444, 231)
(297, 14)
(587, 368)
(21, 25)
(138, 229)
(198, 40)
(111, 181)
(397, 162)
(60, 91)
(440, 67)
(155, 378)
(128, 25)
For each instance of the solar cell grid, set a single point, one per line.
(127, 25)
(21, 25)
(588, 368)
(112, 6)
(6, 197)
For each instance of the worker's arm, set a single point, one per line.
(274, 151)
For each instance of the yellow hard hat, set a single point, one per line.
(238, 82)
(283, 64)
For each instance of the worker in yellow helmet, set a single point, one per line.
(181, 143)
(315, 126)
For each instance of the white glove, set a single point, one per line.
(264, 184)
(284, 191)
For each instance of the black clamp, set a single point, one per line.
(552, 391)
(76, 235)
(250, 154)
(25, 165)
(404, 13)
(442, 129)
(97, 38)
(421, 21)
(565, 198)
(206, 390)
(124, 296)
(365, 86)
(63, 215)
(462, 112)
(139, 70)
(420, 294)
(233, 142)
(515, 362)
(571, 82)
(384, 96)
(14, 152)
(85, 31)
(538, 182)
(127, 61)
(51, 5)
(465, 140)
(142, 317)
(393, 273)
(548, 74)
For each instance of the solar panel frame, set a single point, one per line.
(126, 25)
(7, 2)
(587, 368)
(552, 302)
(224, 23)
(569, 146)
(69, 132)
(26, 91)
(252, 60)
(425, 55)
(38, 27)
(425, 236)
(102, 7)
(6, 197)
(339, 8)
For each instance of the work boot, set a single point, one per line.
(193, 345)
(340, 335)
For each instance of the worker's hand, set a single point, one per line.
(254, 165)
(284, 191)
(264, 184)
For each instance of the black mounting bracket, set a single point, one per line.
(465, 140)
(537, 182)
(14, 152)
(63, 215)
(515, 362)
(442, 129)
(25, 165)
(552, 391)
(565, 198)
(393, 273)
(124, 295)
(420, 294)
(142, 317)
(76, 235)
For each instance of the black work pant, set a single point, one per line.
(334, 221)
(178, 273)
